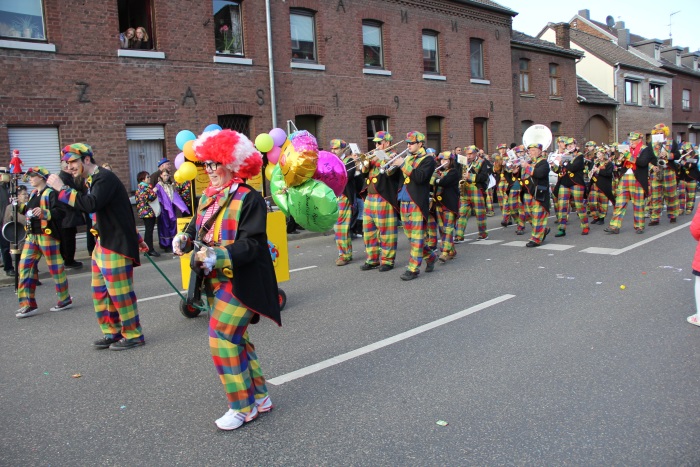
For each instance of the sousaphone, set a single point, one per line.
(537, 134)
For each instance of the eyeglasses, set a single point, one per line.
(211, 166)
(415, 142)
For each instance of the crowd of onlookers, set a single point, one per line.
(135, 38)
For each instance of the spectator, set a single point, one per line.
(141, 40)
(146, 198)
(170, 202)
(695, 232)
(4, 204)
(163, 164)
(127, 38)
(71, 220)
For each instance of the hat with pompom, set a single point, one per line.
(230, 148)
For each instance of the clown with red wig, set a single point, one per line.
(229, 233)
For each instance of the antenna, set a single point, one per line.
(670, 20)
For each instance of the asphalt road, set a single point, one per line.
(551, 362)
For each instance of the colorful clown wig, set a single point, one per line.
(661, 129)
(230, 148)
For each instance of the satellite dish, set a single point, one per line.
(610, 21)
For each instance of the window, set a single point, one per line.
(138, 15)
(524, 75)
(525, 124)
(310, 123)
(631, 92)
(372, 43)
(145, 146)
(430, 52)
(22, 19)
(555, 127)
(655, 95)
(228, 31)
(686, 99)
(239, 123)
(433, 135)
(375, 123)
(476, 57)
(303, 35)
(553, 79)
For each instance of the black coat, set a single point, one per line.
(447, 190)
(604, 180)
(387, 185)
(539, 178)
(417, 181)
(641, 173)
(72, 217)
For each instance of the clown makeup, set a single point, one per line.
(219, 175)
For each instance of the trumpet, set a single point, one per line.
(387, 165)
(435, 174)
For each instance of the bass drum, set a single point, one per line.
(8, 232)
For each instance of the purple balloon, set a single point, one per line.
(331, 171)
(179, 159)
(279, 136)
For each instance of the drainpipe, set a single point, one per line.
(270, 64)
(617, 107)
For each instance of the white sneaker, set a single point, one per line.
(264, 405)
(234, 419)
(64, 305)
(26, 311)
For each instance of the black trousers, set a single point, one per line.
(150, 223)
(67, 246)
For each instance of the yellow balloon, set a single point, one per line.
(297, 167)
(178, 176)
(189, 152)
(268, 171)
(188, 170)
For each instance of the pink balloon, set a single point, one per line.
(179, 159)
(279, 136)
(273, 155)
(331, 171)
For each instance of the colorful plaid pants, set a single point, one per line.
(538, 217)
(231, 350)
(597, 203)
(34, 247)
(628, 189)
(414, 228)
(113, 294)
(663, 187)
(380, 230)
(447, 226)
(432, 230)
(513, 209)
(501, 193)
(342, 228)
(686, 195)
(471, 202)
(573, 197)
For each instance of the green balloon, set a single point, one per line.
(313, 205)
(278, 187)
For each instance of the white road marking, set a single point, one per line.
(555, 246)
(650, 239)
(599, 251)
(279, 380)
(486, 242)
(515, 243)
(302, 269)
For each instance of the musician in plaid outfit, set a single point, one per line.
(380, 216)
(688, 177)
(633, 184)
(663, 185)
(499, 165)
(117, 248)
(234, 259)
(346, 201)
(445, 183)
(577, 171)
(472, 197)
(535, 193)
(601, 187)
(414, 198)
(44, 218)
(513, 210)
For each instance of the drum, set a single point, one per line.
(9, 229)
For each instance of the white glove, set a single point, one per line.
(207, 256)
(180, 243)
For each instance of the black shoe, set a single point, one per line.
(612, 230)
(38, 282)
(510, 222)
(385, 268)
(368, 266)
(654, 223)
(532, 244)
(153, 253)
(408, 275)
(673, 220)
(124, 343)
(105, 342)
(73, 265)
(546, 232)
(504, 223)
(429, 266)
(11, 273)
(561, 233)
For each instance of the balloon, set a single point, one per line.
(303, 141)
(273, 155)
(188, 171)
(177, 176)
(331, 171)
(184, 136)
(313, 205)
(264, 142)
(278, 136)
(179, 159)
(297, 167)
(279, 189)
(268, 171)
(189, 152)
(212, 127)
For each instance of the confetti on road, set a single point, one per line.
(622, 287)
(77, 375)
(441, 422)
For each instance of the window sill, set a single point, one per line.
(529, 96)
(435, 77)
(374, 71)
(141, 54)
(652, 106)
(556, 98)
(479, 81)
(307, 66)
(633, 104)
(232, 60)
(38, 47)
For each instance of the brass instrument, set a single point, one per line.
(365, 158)
(387, 165)
(435, 173)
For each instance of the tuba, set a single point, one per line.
(537, 134)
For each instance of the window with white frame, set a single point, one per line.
(655, 95)
(476, 58)
(136, 24)
(22, 19)
(554, 79)
(375, 123)
(228, 30)
(303, 30)
(685, 99)
(372, 44)
(631, 92)
(430, 52)
(524, 75)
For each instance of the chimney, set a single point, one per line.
(585, 14)
(619, 25)
(623, 35)
(563, 34)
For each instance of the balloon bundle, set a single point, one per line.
(185, 170)
(304, 181)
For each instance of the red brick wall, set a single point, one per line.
(681, 118)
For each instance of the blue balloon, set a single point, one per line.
(212, 127)
(184, 136)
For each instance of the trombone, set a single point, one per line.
(364, 159)
(387, 165)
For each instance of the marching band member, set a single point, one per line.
(688, 177)
(633, 185)
(345, 202)
(601, 187)
(44, 218)
(499, 163)
(380, 219)
(432, 227)
(472, 198)
(446, 184)
(535, 193)
(513, 208)
(562, 189)
(662, 182)
(577, 170)
(414, 198)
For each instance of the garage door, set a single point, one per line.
(37, 146)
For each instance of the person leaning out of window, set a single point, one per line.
(141, 40)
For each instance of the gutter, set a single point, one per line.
(270, 64)
(617, 126)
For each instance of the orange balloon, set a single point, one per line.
(189, 152)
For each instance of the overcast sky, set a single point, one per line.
(646, 18)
